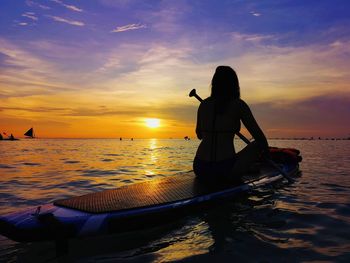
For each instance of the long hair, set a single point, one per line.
(224, 87)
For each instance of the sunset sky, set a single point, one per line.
(100, 69)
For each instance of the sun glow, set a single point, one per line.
(152, 122)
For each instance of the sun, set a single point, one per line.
(152, 122)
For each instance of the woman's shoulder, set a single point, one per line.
(243, 107)
(238, 105)
(241, 103)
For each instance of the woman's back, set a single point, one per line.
(217, 129)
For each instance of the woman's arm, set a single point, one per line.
(252, 126)
(198, 126)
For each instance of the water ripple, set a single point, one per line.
(71, 161)
(98, 172)
(107, 160)
(5, 166)
(31, 164)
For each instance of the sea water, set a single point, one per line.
(307, 221)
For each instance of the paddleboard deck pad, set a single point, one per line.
(135, 206)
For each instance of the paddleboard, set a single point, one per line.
(135, 206)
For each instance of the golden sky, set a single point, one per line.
(100, 69)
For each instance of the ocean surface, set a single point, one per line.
(307, 221)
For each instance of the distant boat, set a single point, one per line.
(30, 133)
(10, 138)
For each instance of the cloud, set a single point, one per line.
(324, 115)
(96, 112)
(35, 109)
(168, 16)
(67, 21)
(30, 15)
(269, 71)
(23, 74)
(128, 27)
(21, 123)
(17, 58)
(254, 38)
(255, 13)
(112, 63)
(70, 7)
(166, 111)
(34, 4)
(22, 23)
(174, 112)
(144, 69)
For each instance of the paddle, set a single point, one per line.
(243, 138)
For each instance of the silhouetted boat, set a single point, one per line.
(30, 133)
(10, 138)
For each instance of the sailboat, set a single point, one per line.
(30, 133)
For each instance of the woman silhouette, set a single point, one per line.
(218, 119)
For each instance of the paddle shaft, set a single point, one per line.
(245, 139)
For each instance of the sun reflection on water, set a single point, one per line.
(153, 158)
